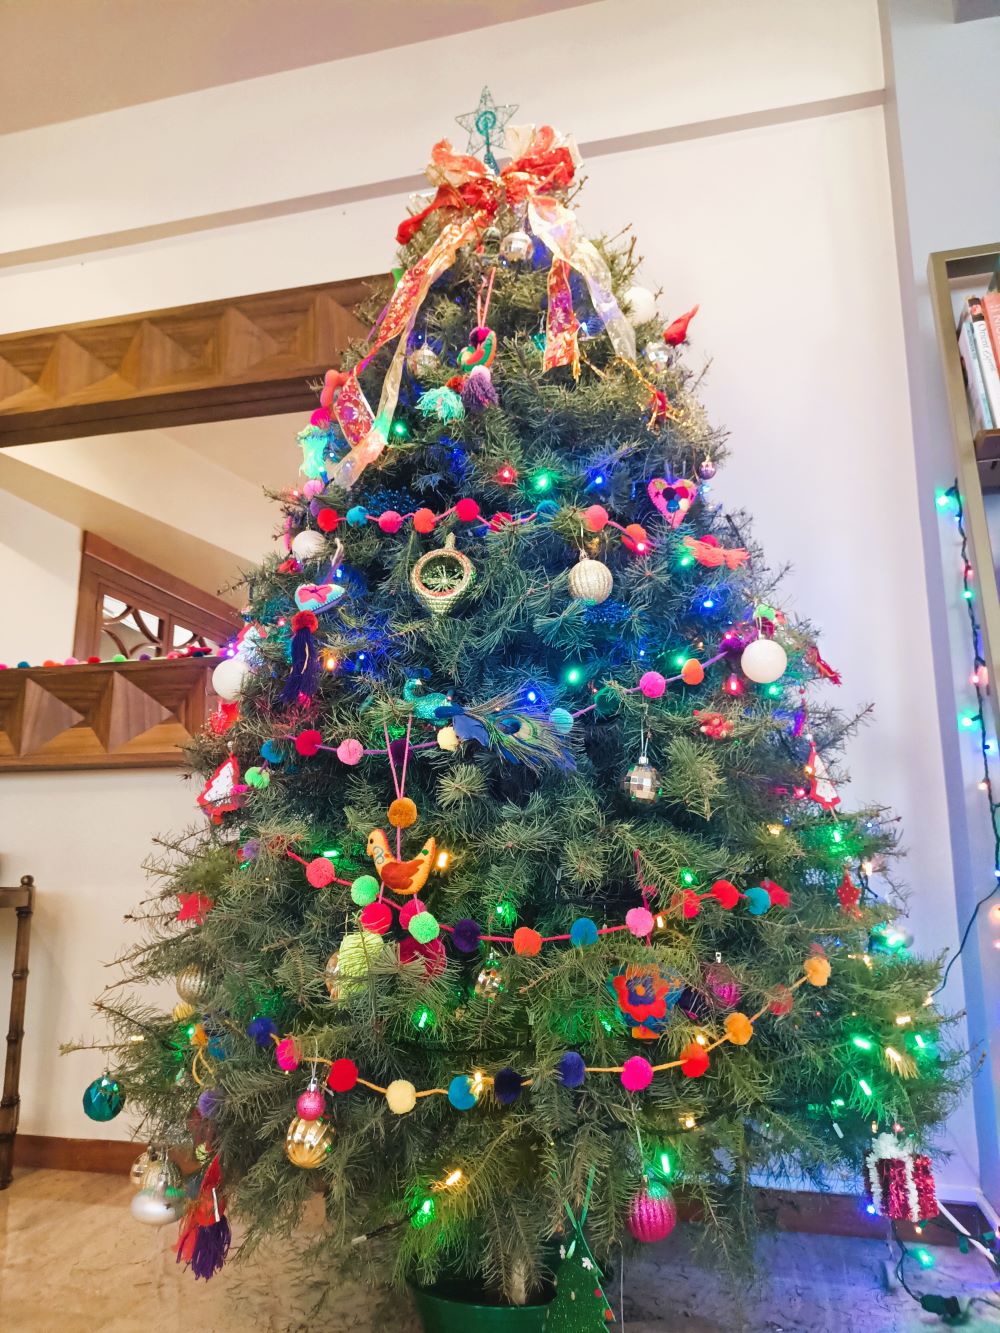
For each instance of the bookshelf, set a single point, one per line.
(977, 453)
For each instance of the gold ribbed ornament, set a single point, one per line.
(442, 577)
(590, 581)
(195, 984)
(308, 1142)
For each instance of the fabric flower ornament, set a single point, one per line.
(645, 996)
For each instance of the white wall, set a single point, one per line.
(781, 227)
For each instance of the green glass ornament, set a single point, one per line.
(104, 1098)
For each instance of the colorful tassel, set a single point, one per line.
(304, 674)
(443, 403)
(478, 392)
(205, 1235)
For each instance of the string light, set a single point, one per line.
(443, 858)
(506, 475)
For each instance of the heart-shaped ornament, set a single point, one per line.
(672, 498)
(318, 597)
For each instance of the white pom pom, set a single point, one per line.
(401, 1096)
(763, 661)
(308, 545)
(228, 678)
(640, 305)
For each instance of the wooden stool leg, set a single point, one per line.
(10, 1104)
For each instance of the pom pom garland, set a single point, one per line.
(460, 1093)
(343, 1075)
(402, 813)
(639, 921)
(424, 927)
(286, 1054)
(364, 890)
(466, 934)
(307, 743)
(583, 932)
(350, 752)
(527, 942)
(320, 872)
(694, 1060)
(637, 1073)
(738, 1028)
(377, 917)
(507, 1086)
(401, 1096)
(572, 1070)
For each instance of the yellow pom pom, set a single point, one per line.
(817, 970)
(739, 1029)
(183, 1011)
(402, 812)
(447, 739)
(401, 1096)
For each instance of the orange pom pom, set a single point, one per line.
(424, 520)
(817, 970)
(739, 1029)
(402, 812)
(692, 672)
(527, 942)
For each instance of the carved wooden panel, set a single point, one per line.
(248, 356)
(106, 715)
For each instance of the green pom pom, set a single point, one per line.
(424, 927)
(607, 703)
(257, 777)
(444, 404)
(364, 890)
(119, 657)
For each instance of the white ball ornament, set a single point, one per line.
(401, 1096)
(157, 1208)
(229, 677)
(640, 305)
(308, 545)
(763, 661)
(590, 581)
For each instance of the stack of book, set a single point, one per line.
(979, 348)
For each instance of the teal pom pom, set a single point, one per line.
(582, 932)
(424, 927)
(357, 516)
(460, 1093)
(272, 752)
(562, 720)
(364, 890)
(758, 901)
(444, 404)
(547, 508)
(259, 777)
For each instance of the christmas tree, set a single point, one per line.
(526, 888)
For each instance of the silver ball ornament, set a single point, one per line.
(640, 304)
(658, 355)
(422, 361)
(308, 545)
(516, 247)
(229, 677)
(590, 581)
(763, 661)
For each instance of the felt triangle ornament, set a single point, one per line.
(821, 790)
(222, 792)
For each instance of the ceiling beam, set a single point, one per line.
(967, 10)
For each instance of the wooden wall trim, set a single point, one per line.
(213, 361)
(55, 1154)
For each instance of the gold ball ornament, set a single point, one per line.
(402, 812)
(308, 1142)
(202, 1152)
(442, 577)
(182, 1011)
(162, 1174)
(590, 581)
(195, 984)
(401, 1096)
(447, 739)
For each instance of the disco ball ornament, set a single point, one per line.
(103, 1099)
(516, 247)
(491, 238)
(308, 1142)
(658, 355)
(489, 983)
(640, 305)
(590, 581)
(763, 661)
(706, 469)
(195, 984)
(652, 1215)
(642, 782)
(229, 677)
(422, 361)
(308, 545)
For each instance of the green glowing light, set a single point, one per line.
(686, 560)
(401, 430)
(837, 835)
(423, 1019)
(865, 1087)
(942, 499)
(664, 1163)
(542, 482)
(863, 1043)
(924, 1257)
(838, 1101)
(688, 876)
(967, 720)
(424, 1215)
(506, 911)
(331, 853)
(968, 594)
(919, 1041)
(573, 675)
(773, 691)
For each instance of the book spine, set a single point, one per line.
(984, 354)
(975, 388)
(991, 311)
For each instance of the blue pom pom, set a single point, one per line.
(272, 752)
(582, 932)
(24, 664)
(572, 1070)
(547, 508)
(357, 516)
(758, 901)
(507, 1086)
(562, 720)
(262, 1029)
(460, 1093)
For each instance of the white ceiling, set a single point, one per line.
(61, 59)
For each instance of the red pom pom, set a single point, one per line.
(332, 381)
(308, 742)
(93, 660)
(595, 518)
(694, 1060)
(690, 904)
(390, 521)
(424, 520)
(409, 911)
(343, 1075)
(321, 417)
(456, 383)
(304, 620)
(377, 917)
(527, 942)
(320, 872)
(327, 519)
(779, 897)
(466, 511)
(50, 661)
(726, 895)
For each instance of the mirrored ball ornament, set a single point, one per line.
(157, 1208)
(161, 1174)
(308, 1142)
(516, 247)
(658, 355)
(642, 782)
(138, 1168)
(706, 469)
(422, 361)
(489, 983)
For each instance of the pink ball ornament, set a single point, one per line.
(286, 1053)
(377, 917)
(310, 1105)
(350, 752)
(652, 684)
(595, 518)
(651, 1216)
(390, 521)
(637, 1073)
(320, 872)
(639, 920)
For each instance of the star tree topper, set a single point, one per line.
(485, 126)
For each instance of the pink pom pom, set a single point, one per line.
(310, 1104)
(466, 511)
(377, 917)
(71, 661)
(390, 521)
(286, 1053)
(652, 684)
(639, 921)
(320, 418)
(637, 1074)
(596, 518)
(350, 751)
(410, 910)
(312, 488)
(320, 872)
